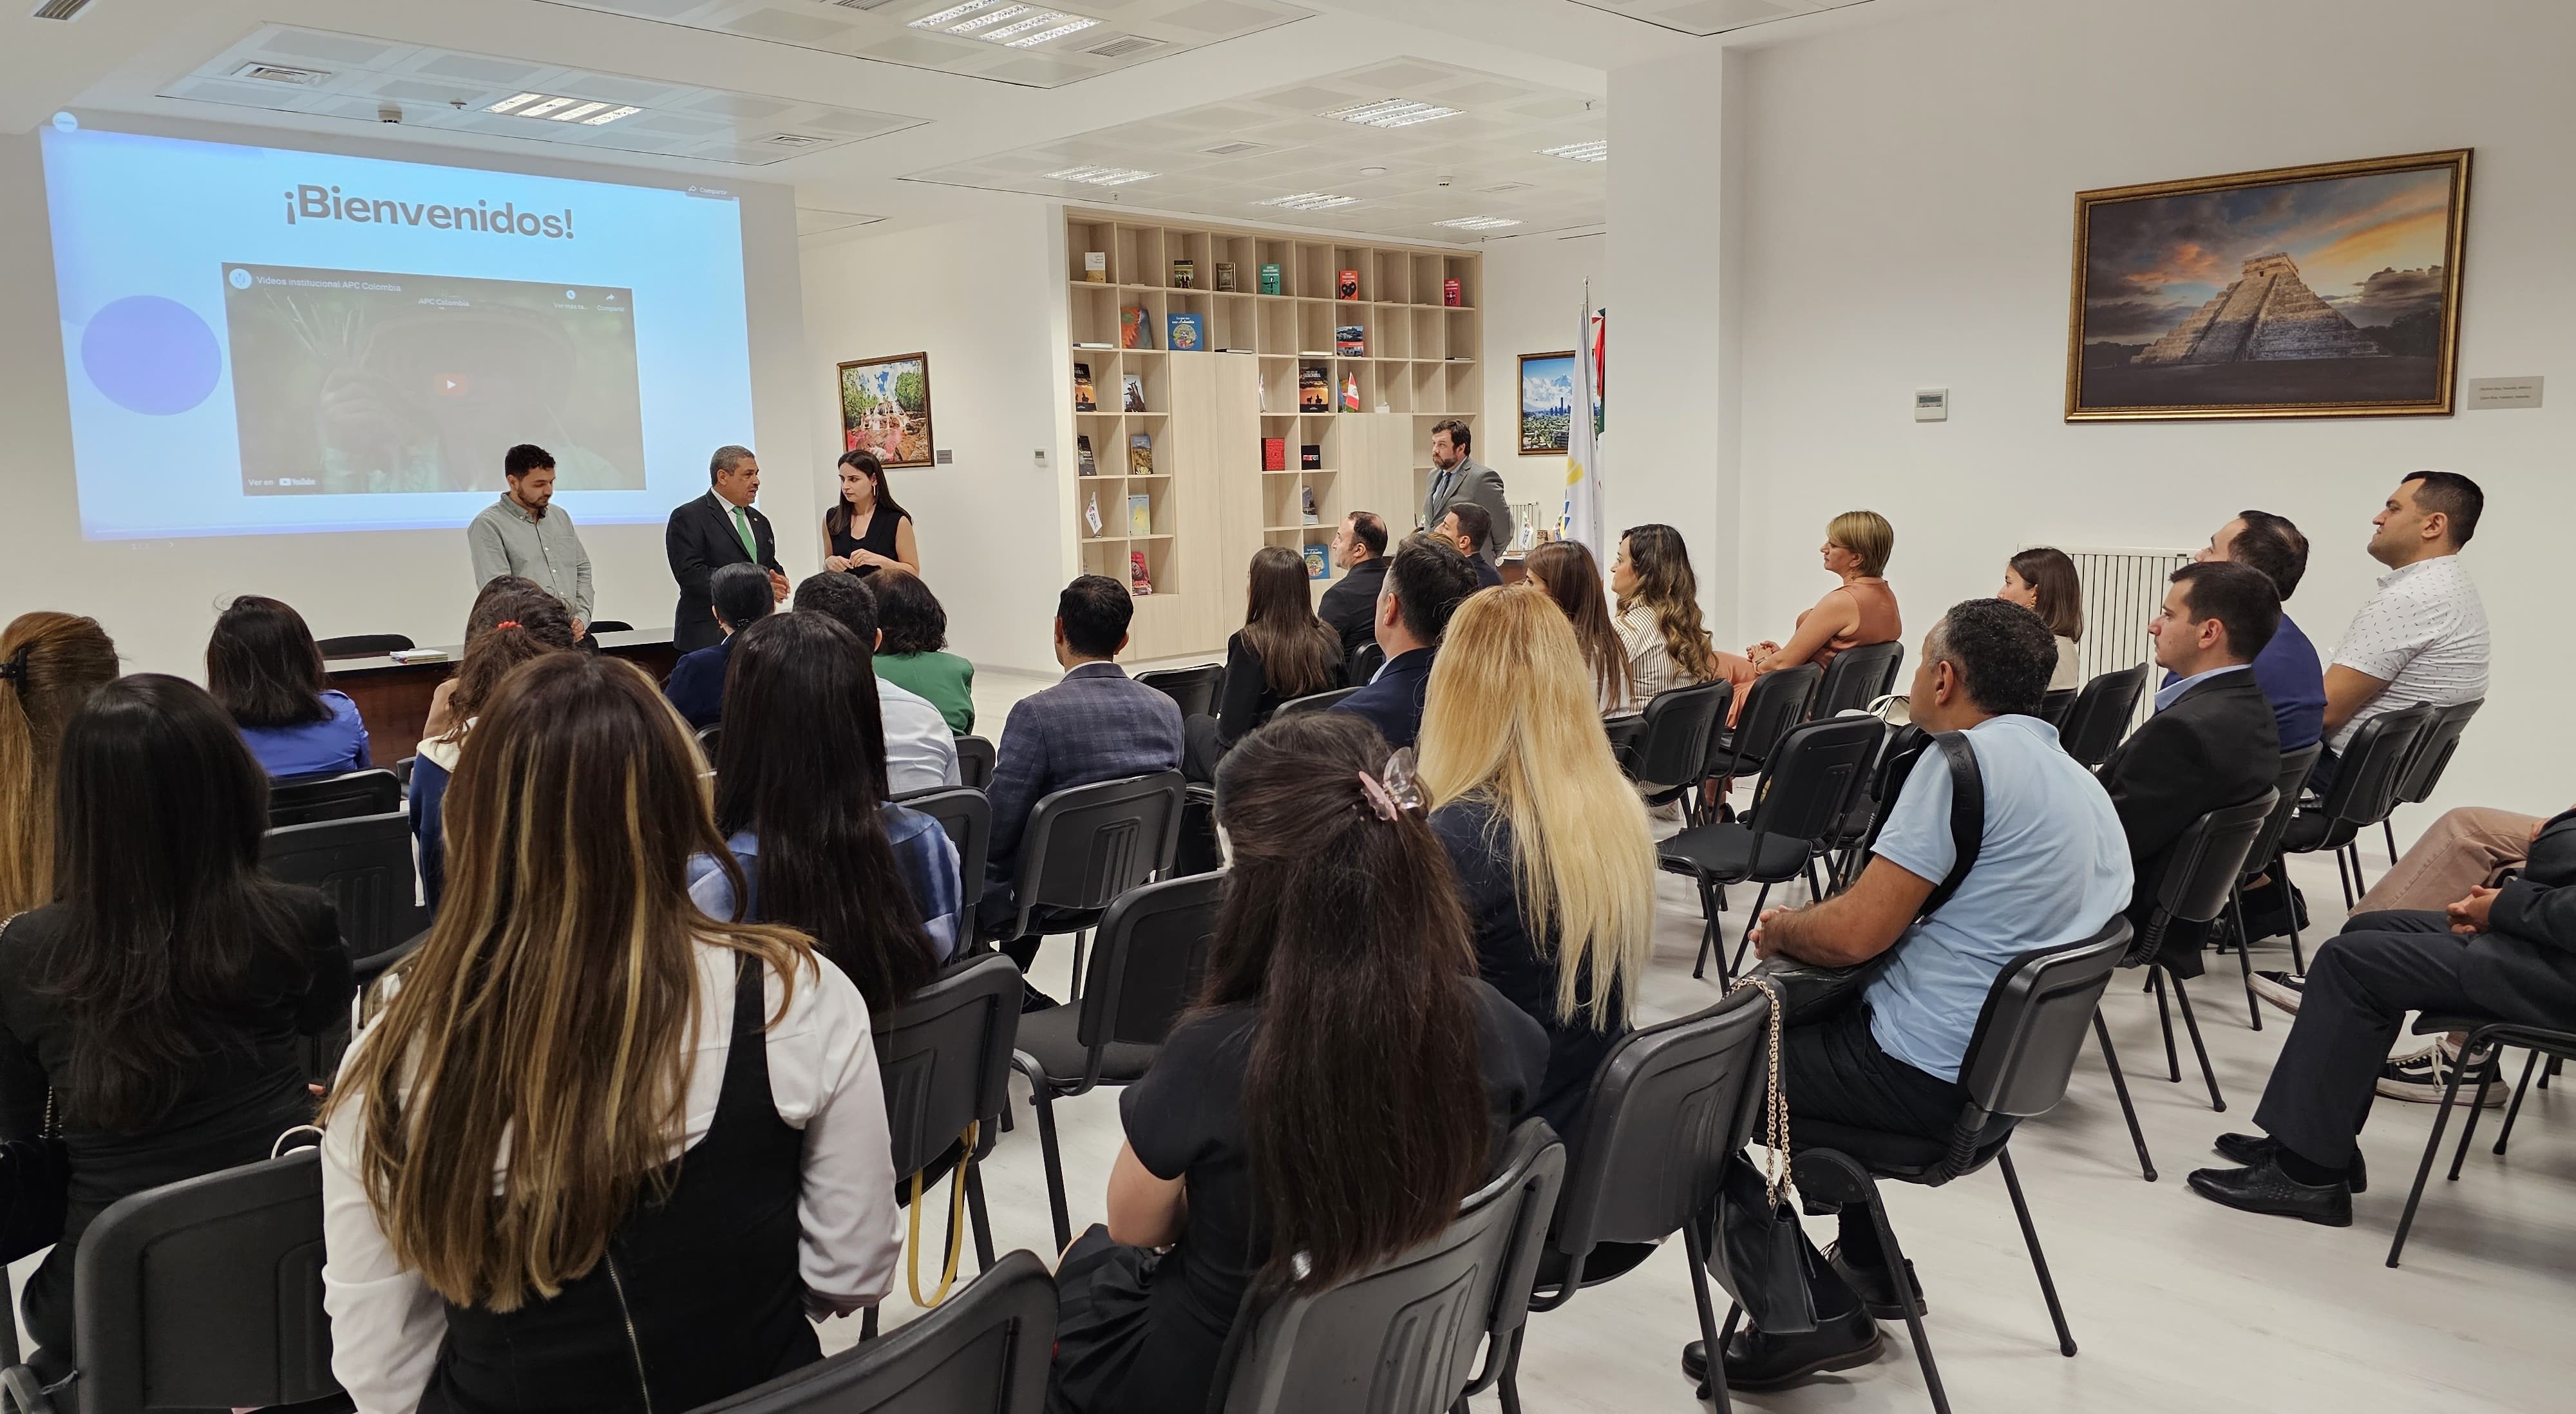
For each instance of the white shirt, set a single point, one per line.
(2069, 672)
(921, 753)
(2424, 634)
(386, 1324)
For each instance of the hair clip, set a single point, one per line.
(1378, 799)
(505, 623)
(1403, 779)
(14, 672)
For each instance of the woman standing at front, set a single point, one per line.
(509, 1222)
(865, 530)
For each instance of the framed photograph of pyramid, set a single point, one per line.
(2326, 291)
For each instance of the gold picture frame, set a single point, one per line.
(2330, 290)
(885, 409)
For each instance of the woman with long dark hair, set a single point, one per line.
(1341, 972)
(602, 1151)
(2043, 580)
(1283, 652)
(156, 1005)
(801, 801)
(912, 654)
(1566, 572)
(866, 530)
(524, 625)
(264, 667)
(49, 665)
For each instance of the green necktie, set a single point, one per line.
(742, 527)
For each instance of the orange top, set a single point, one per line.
(1879, 621)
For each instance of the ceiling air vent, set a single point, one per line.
(860, 4)
(1500, 187)
(1230, 149)
(794, 140)
(60, 9)
(280, 73)
(1123, 46)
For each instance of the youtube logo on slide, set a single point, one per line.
(451, 385)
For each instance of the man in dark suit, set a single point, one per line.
(2507, 953)
(1457, 477)
(696, 688)
(1097, 724)
(1466, 526)
(719, 528)
(1350, 605)
(2212, 742)
(1426, 581)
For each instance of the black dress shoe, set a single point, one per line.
(1877, 1286)
(2256, 1150)
(1757, 1360)
(2263, 1188)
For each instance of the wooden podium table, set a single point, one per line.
(393, 698)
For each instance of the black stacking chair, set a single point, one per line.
(306, 800)
(1312, 702)
(2200, 874)
(1815, 770)
(1773, 704)
(967, 816)
(2363, 794)
(1402, 1339)
(1857, 678)
(610, 626)
(1669, 1105)
(2019, 1058)
(974, 762)
(1153, 951)
(2431, 757)
(1671, 745)
(2484, 1031)
(2295, 766)
(200, 1294)
(2055, 703)
(1086, 845)
(1365, 661)
(364, 645)
(986, 1348)
(944, 1059)
(363, 863)
(1192, 689)
(2102, 714)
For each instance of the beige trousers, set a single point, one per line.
(2465, 848)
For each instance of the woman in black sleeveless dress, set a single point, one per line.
(866, 530)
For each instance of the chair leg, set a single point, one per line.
(2469, 1123)
(1507, 1386)
(2298, 959)
(1708, 938)
(868, 1324)
(2424, 1170)
(2038, 1263)
(2244, 955)
(1710, 1340)
(2389, 832)
(1913, 1321)
(1815, 891)
(983, 1218)
(1745, 945)
(2514, 1110)
(2191, 1023)
(1042, 1100)
(2164, 1018)
(1081, 944)
(2120, 1086)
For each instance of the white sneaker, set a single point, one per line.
(2281, 989)
(2423, 1077)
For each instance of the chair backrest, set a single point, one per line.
(2035, 1021)
(1813, 775)
(1773, 704)
(1858, 677)
(1669, 1104)
(364, 863)
(2433, 751)
(1370, 657)
(1312, 702)
(2054, 703)
(1146, 963)
(306, 800)
(974, 762)
(944, 1055)
(206, 1293)
(986, 1349)
(2101, 715)
(967, 816)
(2366, 777)
(1402, 1339)
(363, 645)
(2204, 862)
(2295, 766)
(1086, 845)
(1192, 689)
(1673, 745)
(600, 626)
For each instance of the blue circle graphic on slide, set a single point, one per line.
(151, 355)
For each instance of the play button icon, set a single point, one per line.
(450, 385)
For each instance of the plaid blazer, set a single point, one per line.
(1098, 724)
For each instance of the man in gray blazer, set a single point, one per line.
(1456, 477)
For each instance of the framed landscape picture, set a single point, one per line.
(885, 408)
(1547, 403)
(2327, 291)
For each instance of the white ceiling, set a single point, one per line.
(1709, 17)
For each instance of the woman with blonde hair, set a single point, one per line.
(49, 665)
(509, 1222)
(1554, 861)
(1858, 612)
(1565, 572)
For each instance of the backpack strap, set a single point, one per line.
(1967, 816)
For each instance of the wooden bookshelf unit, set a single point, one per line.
(1208, 502)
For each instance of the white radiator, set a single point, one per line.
(2122, 589)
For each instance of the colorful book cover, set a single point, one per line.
(1091, 513)
(1452, 293)
(1095, 267)
(1348, 286)
(1085, 397)
(1132, 330)
(1139, 583)
(1225, 275)
(1270, 282)
(1089, 464)
(1185, 334)
(1350, 341)
(1135, 393)
(1314, 390)
(1315, 562)
(1310, 456)
(1140, 454)
(1306, 512)
(1185, 274)
(1350, 392)
(1140, 515)
(1274, 454)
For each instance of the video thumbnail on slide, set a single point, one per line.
(351, 381)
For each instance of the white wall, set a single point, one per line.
(1908, 192)
(157, 598)
(1533, 286)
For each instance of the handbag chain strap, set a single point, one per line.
(1775, 1104)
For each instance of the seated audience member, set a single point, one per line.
(507, 1222)
(1467, 526)
(919, 751)
(1283, 652)
(801, 801)
(525, 626)
(2287, 668)
(1858, 612)
(1426, 580)
(1350, 603)
(1341, 967)
(1659, 620)
(742, 598)
(153, 1009)
(911, 654)
(490, 607)
(263, 666)
(2051, 868)
(2506, 953)
(1097, 724)
(1555, 864)
(2044, 581)
(2211, 743)
(1564, 571)
(2423, 636)
(49, 665)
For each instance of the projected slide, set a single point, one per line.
(260, 341)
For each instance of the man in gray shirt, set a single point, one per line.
(519, 534)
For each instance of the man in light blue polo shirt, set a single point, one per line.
(2052, 867)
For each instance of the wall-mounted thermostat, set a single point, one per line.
(1931, 404)
(1041, 456)
(944, 457)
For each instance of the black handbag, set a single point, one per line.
(1762, 1256)
(35, 1189)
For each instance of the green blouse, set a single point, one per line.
(947, 680)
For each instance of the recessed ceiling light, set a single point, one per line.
(989, 17)
(1073, 24)
(513, 101)
(1308, 201)
(1597, 150)
(953, 12)
(578, 112)
(1013, 26)
(1478, 223)
(611, 116)
(542, 108)
(1393, 113)
(1101, 176)
(554, 108)
(1372, 171)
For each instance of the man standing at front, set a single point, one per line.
(522, 534)
(717, 529)
(1457, 477)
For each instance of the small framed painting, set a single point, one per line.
(885, 409)
(1547, 403)
(2325, 291)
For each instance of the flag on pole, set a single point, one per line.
(1582, 518)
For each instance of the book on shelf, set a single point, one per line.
(1185, 334)
(1140, 454)
(1094, 344)
(1314, 390)
(1350, 341)
(1140, 515)
(1185, 274)
(1317, 565)
(1135, 390)
(1133, 331)
(1307, 514)
(1274, 454)
(1350, 392)
(1085, 398)
(1347, 285)
(1270, 283)
(1310, 456)
(1091, 513)
(1095, 267)
(1225, 276)
(1086, 462)
(1139, 583)
(1452, 293)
